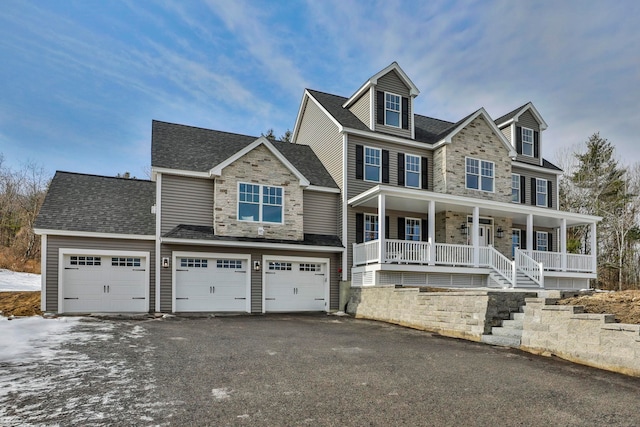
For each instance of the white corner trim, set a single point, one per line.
(158, 246)
(345, 183)
(535, 168)
(179, 172)
(43, 273)
(301, 108)
(217, 170)
(372, 109)
(323, 189)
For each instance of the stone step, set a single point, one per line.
(513, 324)
(506, 332)
(517, 316)
(501, 341)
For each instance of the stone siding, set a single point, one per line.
(259, 166)
(590, 339)
(459, 314)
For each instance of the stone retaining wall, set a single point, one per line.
(459, 314)
(589, 339)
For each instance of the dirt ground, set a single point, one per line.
(625, 305)
(20, 303)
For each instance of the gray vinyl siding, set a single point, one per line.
(256, 276)
(527, 120)
(527, 190)
(186, 201)
(362, 108)
(321, 212)
(357, 186)
(54, 243)
(392, 83)
(321, 134)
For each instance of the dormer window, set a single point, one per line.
(392, 110)
(527, 142)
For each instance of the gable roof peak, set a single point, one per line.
(373, 80)
(512, 116)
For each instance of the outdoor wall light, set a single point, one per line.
(500, 232)
(256, 265)
(463, 229)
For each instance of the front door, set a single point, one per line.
(485, 235)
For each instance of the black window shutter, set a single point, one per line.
(518, 139)
(385, 166)
(359, 228)
(523, 184)
(534, 190)
(535, 241)
(359, 161)
(550, 242)
(549, 193)
(401, 226)
(536, 143)
(424, 230)
(380, 107)
(386, 227)
(400, 169)
(405, 113)
(425, 173)
(523, 239)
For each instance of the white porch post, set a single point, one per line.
(563, 243)
(530, 232)
(381, 227)
(475, 238)
(431, 232)
(594, 247)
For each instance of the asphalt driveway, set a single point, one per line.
(282, 370)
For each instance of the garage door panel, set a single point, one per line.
(210, 284)
(92, 283)
(295, 286)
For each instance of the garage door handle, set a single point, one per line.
(139, 269)
(71, 298)
(138, 298)
(269, 272)
(319, 299)
(270, 299)
(181, 298)
(240, 298)
(181, 269)
(71, 268)
(319, 274)
(240, 271)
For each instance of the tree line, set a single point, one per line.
(22, 192)
(596, 183)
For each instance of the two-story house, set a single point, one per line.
(430, 202)
(369, 193)
(228, 223)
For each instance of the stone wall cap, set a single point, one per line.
(604, 318)
(626, 327)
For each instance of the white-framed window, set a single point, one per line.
(310, 267)
(541, 192)
(85, 260)
(479, 174)
(372, 164)
(542, 241)
(125, 262)
(527, 142)
(279, 266)
(370, 227)
(194, 262)
(412, 171)
(260, 203)
(233, 264)
(392, 109)
(515, 241)
(515, 188)
(412, 229)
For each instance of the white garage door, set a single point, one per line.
(99, 284)
(296, 286)
(205, 284)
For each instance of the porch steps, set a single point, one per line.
(507, 335)
(522, 281)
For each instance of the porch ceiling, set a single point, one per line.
(403, 199)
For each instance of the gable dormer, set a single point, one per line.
(384, 103)
(523, 129)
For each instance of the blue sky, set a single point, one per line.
(80, 81)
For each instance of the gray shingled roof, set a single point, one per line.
(189, 148)
(199, 232)
(79, 202)
(509, 115)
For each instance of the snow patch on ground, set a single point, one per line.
(74, 371)
(13, 281)
(220, 393)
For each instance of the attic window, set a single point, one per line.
(527, 142)
(259, 203)
(392, 110)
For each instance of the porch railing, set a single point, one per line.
(407, 251)
(367, 252)
(530, 267)
(580, 263)
(550, 260)
(499, 263)
(450, 254)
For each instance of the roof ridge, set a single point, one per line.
(432, 118)
(326, 93)
(203, 128)
(102, 176)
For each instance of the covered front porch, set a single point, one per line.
(465, 235)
